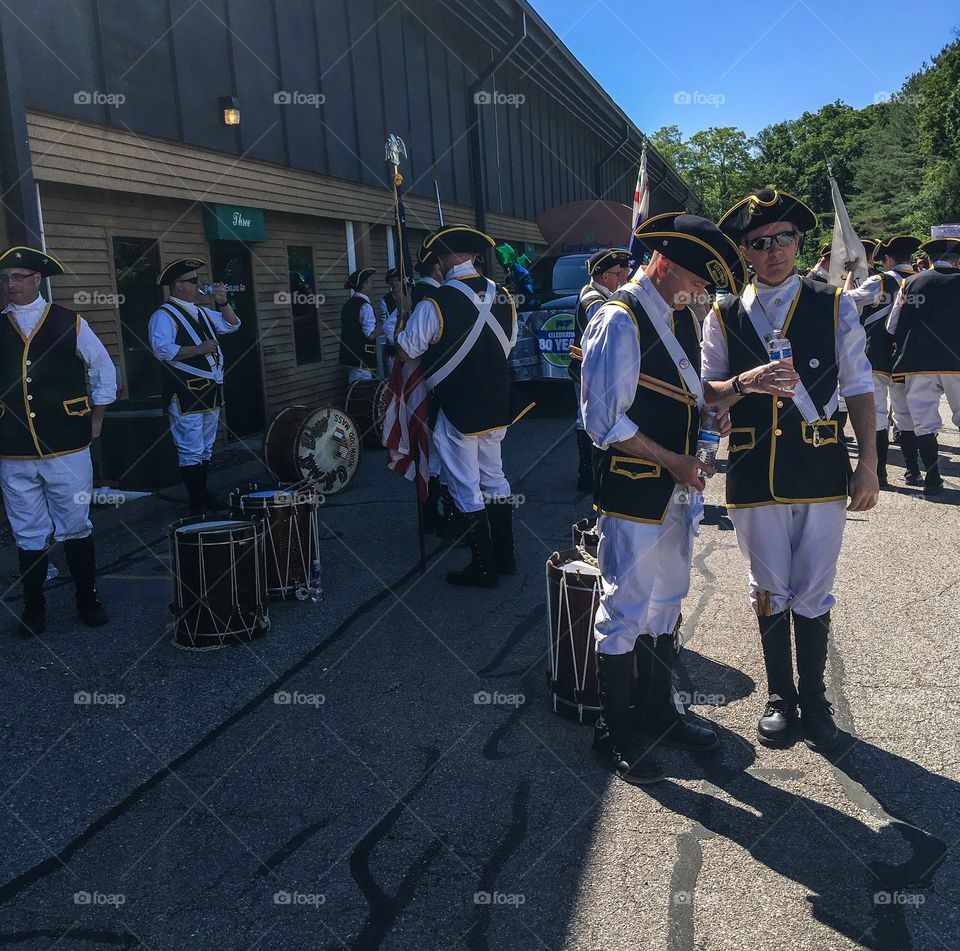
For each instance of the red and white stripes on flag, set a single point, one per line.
(641, 194)
(406, 431)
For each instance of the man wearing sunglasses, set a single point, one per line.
(183, 336)
(49, 359)
(787, 473)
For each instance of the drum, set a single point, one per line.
(320, 445)
(573, 595)
(366, 404)
(586, 534)
(290, 527)
(219, 582)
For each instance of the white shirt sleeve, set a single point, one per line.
(218, 322)
(390, 326)
(608, 377)
(893, 321)
(101, 372)
(422, 329)
(867, 294)
(714, 356)
(368, 320)
(163, 335)
(856, 375)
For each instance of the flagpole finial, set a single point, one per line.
(394, 148)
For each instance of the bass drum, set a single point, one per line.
(321, 446)
(366, 404)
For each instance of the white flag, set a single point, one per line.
(641, 194)
(847, 245)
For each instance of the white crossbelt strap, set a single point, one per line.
(184, 322)
(485, 318)
(680, 359)
(763, 327)
(878, 315)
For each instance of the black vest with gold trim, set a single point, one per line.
(43, 388)
(929, 323)
(475, 397)
(664, 410)
(356, 350)
(774, 454)
(194, 393)
(589, 296)
(880, 343)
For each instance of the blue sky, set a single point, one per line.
(746, 63)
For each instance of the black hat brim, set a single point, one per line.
(458, 239)
(176, 270)
(766, 207)
(32, 259)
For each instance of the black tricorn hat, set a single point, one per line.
(177, 269)
(697, 245)
(870, 245)
(900, 246)
(32, 260)
(355, 281)
(603, 261)
(937, 246)
(457, 239)
(765, 207)
(392, 275)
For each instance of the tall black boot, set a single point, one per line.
(482, 570)
(81, 560)
(431, 508)
(883, 446)
(816, 714)
(585, 468)
(657, 719)
(33, 574)
(618, 742)
(775, 726)
(929, 451)
(911, 457)
(196, 483)
(500, 516)
(211, 502)
(450, 528)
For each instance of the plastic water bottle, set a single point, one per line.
(316, 581)
(708, 442)
(206, 289)
(779, 348)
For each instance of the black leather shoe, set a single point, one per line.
(775, 726)
(913, 478)
(482, 571)
(819, 731)
(93, 614)
(932, 483)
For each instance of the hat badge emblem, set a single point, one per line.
(715, 269)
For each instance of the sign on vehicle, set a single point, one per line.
(556, 336)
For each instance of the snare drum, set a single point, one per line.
(585, 534)
(219, 582)
(289, 521)
(366, 405)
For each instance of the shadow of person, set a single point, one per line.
(861, 880)
(699, 676)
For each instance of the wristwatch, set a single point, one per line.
(738, 386)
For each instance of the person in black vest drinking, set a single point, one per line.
(463, 332)
(787, 475)
(642, 402)
(183, 336)
(358, 327)
(48, 358)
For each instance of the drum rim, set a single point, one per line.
(175, 528)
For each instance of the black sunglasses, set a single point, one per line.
(783, 239)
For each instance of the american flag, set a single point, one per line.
(406, 434)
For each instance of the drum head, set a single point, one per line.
(328, 449)
(211, 526)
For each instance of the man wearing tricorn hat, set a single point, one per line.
(642, 402)
(49, 357)
(926, 318)
(787, 476)
(183, 337)
(358, 327)
(463, 331)
(608, 270)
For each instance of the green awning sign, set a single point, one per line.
(232, 223)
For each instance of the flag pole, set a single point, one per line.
(395, 147)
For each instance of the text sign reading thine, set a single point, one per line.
(232, 223)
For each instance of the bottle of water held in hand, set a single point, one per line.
(779, 348)
(708, 442)
(316, 581)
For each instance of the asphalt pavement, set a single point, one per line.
(385, 770)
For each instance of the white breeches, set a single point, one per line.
(193, 434)
(472, 465)
(924, 391)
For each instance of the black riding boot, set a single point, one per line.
(657, 719)
(883, 446)
(929, 451)
(33, 574)
(482, 571)
(196, 483)
(431, 508)
(911, 457)
(585, 468)
(500, 516)
(81, 560)
(618, 742)
(211, 502)
(816, 714)
(779, 715)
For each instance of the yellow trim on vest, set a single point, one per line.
(752, 430)
(806, 432)
(635, 460)
(196, 384)
(790, 312)
(23, 377)
(83, 410)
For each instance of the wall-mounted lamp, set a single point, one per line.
(230, 107)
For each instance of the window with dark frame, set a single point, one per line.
(137, 265)
(304, 305)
